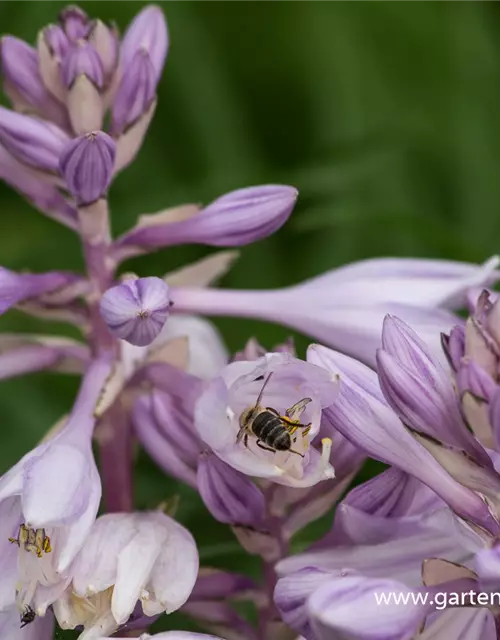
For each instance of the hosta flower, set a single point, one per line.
(49, 501)
(136, 310)
(146, 557)
(390, 535)
(234, 219)
(345, 308)
(285, 456)
(16, 288)
(362, 415)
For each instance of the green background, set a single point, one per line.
(385, 116)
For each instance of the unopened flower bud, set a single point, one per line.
(136, 310)
(56, 40)
(135, 93)
(473, 378)
(83, 60)
(75, 22)
(20, 71)
(87, 166)
(31, 141)
(147, 32)
(105, 41)
(230, 496)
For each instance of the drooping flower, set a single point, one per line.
(362, 415)
(219, 411)
(229, 495)
(345, 308)
(52, 496)
(390, 535)
(146, 557)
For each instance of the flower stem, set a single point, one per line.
(114, 430)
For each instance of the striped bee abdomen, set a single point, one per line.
(269, 428)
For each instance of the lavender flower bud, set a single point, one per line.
(234, 219)
(147, 32)
(23, 83)
(473, 378)
(135, 93)
(87, 166)
(230, 496)
(136, 310)
(56, 40)
(334, 610)
(292, 592)
(75, 22)
(105, 42)
(33, 142)
(454, 346)
(82, 60)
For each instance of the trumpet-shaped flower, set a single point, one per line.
(52, 496)
(220, 411)
(345, 308)
(146, 557)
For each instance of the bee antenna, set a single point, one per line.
(259, 397)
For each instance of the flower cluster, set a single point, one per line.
(270, 441)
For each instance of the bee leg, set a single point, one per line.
(261, 446)
(297, 452)
(14, 541)
(245, 440)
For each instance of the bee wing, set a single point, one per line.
(295, 411)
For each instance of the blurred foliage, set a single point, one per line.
(383, 114)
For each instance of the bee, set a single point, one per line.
(273, 431)
(34, 540)
(28, 616)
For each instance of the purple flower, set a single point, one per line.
(235, 219)
(127, 558)
(345, 308)
(33, 142)
(57, 40)
(228, 397)
(362, 416)
(83, 60)
(148, 33)
(164, 425)
(135, 93)
(75, 22)
(21, 354)
(23, 82)
(420, 391)
(291, 595)
(334, 610)
(87, 166)
(16, 288)
(230, 496)
(54, 492)
(136, 310)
